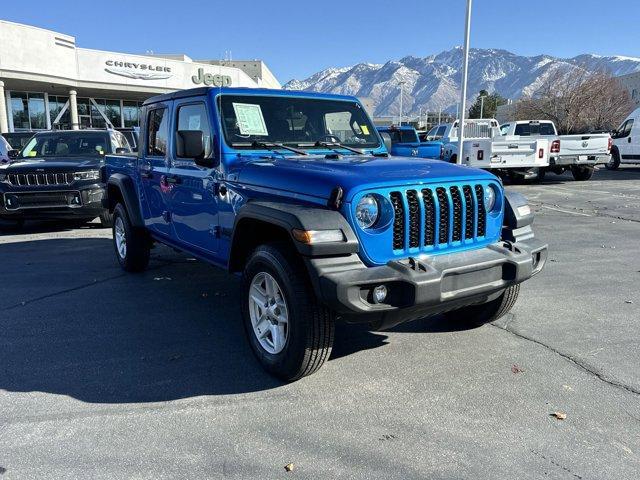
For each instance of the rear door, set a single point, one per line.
(153, 168)
(194, 207)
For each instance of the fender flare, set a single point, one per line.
(124, 184)
(291, 216)
(518, 218)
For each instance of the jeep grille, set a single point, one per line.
(37, 178)
(448, 216)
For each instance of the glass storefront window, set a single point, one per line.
(37, 114)
(130, 112)
(112, 111)
(55, 105)
(20, 111)
(97, 120)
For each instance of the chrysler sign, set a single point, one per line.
(142, 71)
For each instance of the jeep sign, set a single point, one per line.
(210, 79)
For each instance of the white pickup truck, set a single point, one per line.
(578, 153)
(485, 148)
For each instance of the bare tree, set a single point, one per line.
(577, 100)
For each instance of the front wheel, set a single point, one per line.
(581, 173)
(477, 315)
(132, 245)
(290, 333)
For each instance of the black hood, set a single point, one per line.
(53, 163)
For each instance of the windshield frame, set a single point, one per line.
(306, 145)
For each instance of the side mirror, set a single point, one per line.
(121, 150)
(386, 138)
(190, 144)
(13, 153)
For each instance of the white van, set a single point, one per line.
(626, 142)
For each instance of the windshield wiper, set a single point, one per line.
(273, 146)
(336, 145)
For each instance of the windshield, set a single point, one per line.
(84, 144)
(17, 140)
(294, 121)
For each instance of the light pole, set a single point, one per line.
(401, 83)
(465, 65)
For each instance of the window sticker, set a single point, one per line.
(250, 119)
(365, 129)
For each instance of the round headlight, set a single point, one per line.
(367, 211)
(489, 198)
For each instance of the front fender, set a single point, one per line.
(289, 216)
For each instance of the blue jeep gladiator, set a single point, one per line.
(296, 192)
(406, 143)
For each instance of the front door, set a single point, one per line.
(153, 170)
(194, 207)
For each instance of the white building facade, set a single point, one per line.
(632, 83)
(47, 82)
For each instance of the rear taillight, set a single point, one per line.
(480, 154)
(610, 144)
(541, 153)
(555, 147)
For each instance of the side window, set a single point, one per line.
(157, 132)
(627, 128)
(119, 141)
(441, 131)
(504, 129)
(194, 117)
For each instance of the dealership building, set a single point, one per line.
(47, 82)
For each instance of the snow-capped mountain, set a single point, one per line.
(433, 82)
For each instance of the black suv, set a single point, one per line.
(56, 175)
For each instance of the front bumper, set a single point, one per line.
(418, 287)
(56, 203)
(564, 160)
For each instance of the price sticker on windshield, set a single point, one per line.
(250, 119)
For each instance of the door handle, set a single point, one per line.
(146, 171)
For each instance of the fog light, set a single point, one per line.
(379, 294)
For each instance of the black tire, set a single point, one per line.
(614, 163)
(10, 225)
(581, 173)
(310, 327)
(137, 242)
(542, 172)
(106, 219)
(477, 315)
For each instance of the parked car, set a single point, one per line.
(131, 134)
(626, 142)
(17, 140)
(296, 191)
(578, 153)
(405, 143)
(5, 148)
(57, 176)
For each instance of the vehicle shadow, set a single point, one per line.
(84, 329)
(622, 174)
(72, 323)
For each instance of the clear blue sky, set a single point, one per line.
(298, 38)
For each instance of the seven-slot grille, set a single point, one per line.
(430, 217)
(39, 178)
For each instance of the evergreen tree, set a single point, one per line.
(491, 104)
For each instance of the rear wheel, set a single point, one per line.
(477, 315)
(582, 173)
(132, 245)
(614, 162)
(290, 333)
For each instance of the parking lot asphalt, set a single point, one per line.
(109, 375)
